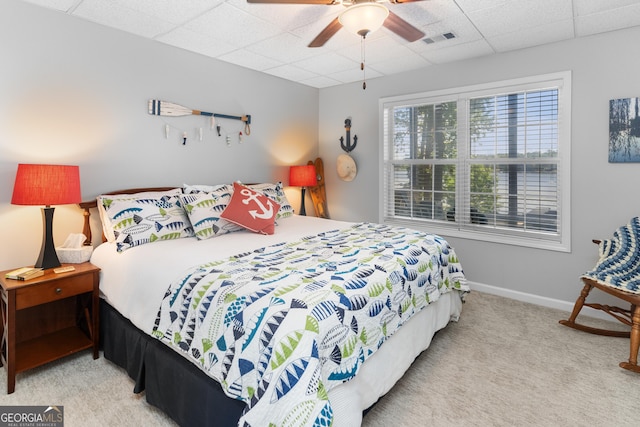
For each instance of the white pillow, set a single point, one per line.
(107, 199)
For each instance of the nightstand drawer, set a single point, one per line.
(57, 289)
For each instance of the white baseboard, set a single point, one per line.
(538, 300)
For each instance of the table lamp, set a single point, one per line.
(47, 185)
(303, 176)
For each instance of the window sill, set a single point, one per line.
(434, 228)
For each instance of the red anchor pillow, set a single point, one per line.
(251, 210)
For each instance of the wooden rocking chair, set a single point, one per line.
(617, 273)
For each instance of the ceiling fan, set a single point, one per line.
(360, 17)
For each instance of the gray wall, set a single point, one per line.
(604, 196)
(73, 92)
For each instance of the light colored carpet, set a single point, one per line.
(508, 363)
(505, 363)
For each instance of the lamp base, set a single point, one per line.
(302, 209)
(48, 257)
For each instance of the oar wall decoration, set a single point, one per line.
(164, 108)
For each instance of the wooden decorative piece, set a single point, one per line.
(318, 194)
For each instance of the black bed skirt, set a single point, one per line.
(170, 382)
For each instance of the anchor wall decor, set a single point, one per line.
(346, 166)
(348, 147)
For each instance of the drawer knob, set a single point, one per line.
(58, 290)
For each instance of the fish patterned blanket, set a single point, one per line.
(280, 326)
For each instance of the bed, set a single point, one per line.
(303, 321)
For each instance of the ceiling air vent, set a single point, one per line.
(439, 38)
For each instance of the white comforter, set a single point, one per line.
(135, 281)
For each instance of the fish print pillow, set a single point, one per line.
(205, 188)
(252, 210)
(106, 199)
(139, 221)
(204, 210)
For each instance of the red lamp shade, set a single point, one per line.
(46, 185)
(303, 176)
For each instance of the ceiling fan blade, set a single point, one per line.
(326, 34)
(293, 1)
(402, 28)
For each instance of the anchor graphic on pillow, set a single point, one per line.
(265, 213)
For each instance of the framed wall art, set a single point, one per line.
(624, 130)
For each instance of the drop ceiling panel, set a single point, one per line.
(608, 20)
(165, 10)
(532, 36)
(399, 64)
(233, 26)
(251, 60)
(587, 7)
(520, 14)
(190, 40)
(327, 63)
(273, 38)
(459, 52)
(122, 18)
(284, 47)
(321, 81)
(291, 72)
(475, 5)
(63, 5)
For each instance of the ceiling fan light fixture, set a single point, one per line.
(363, 18)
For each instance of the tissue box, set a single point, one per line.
(74, 255)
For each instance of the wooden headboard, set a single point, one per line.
(88, 205)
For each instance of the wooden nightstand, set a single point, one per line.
(49, 317)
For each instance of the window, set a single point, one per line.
(487, 162)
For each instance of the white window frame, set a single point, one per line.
(561, 81)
